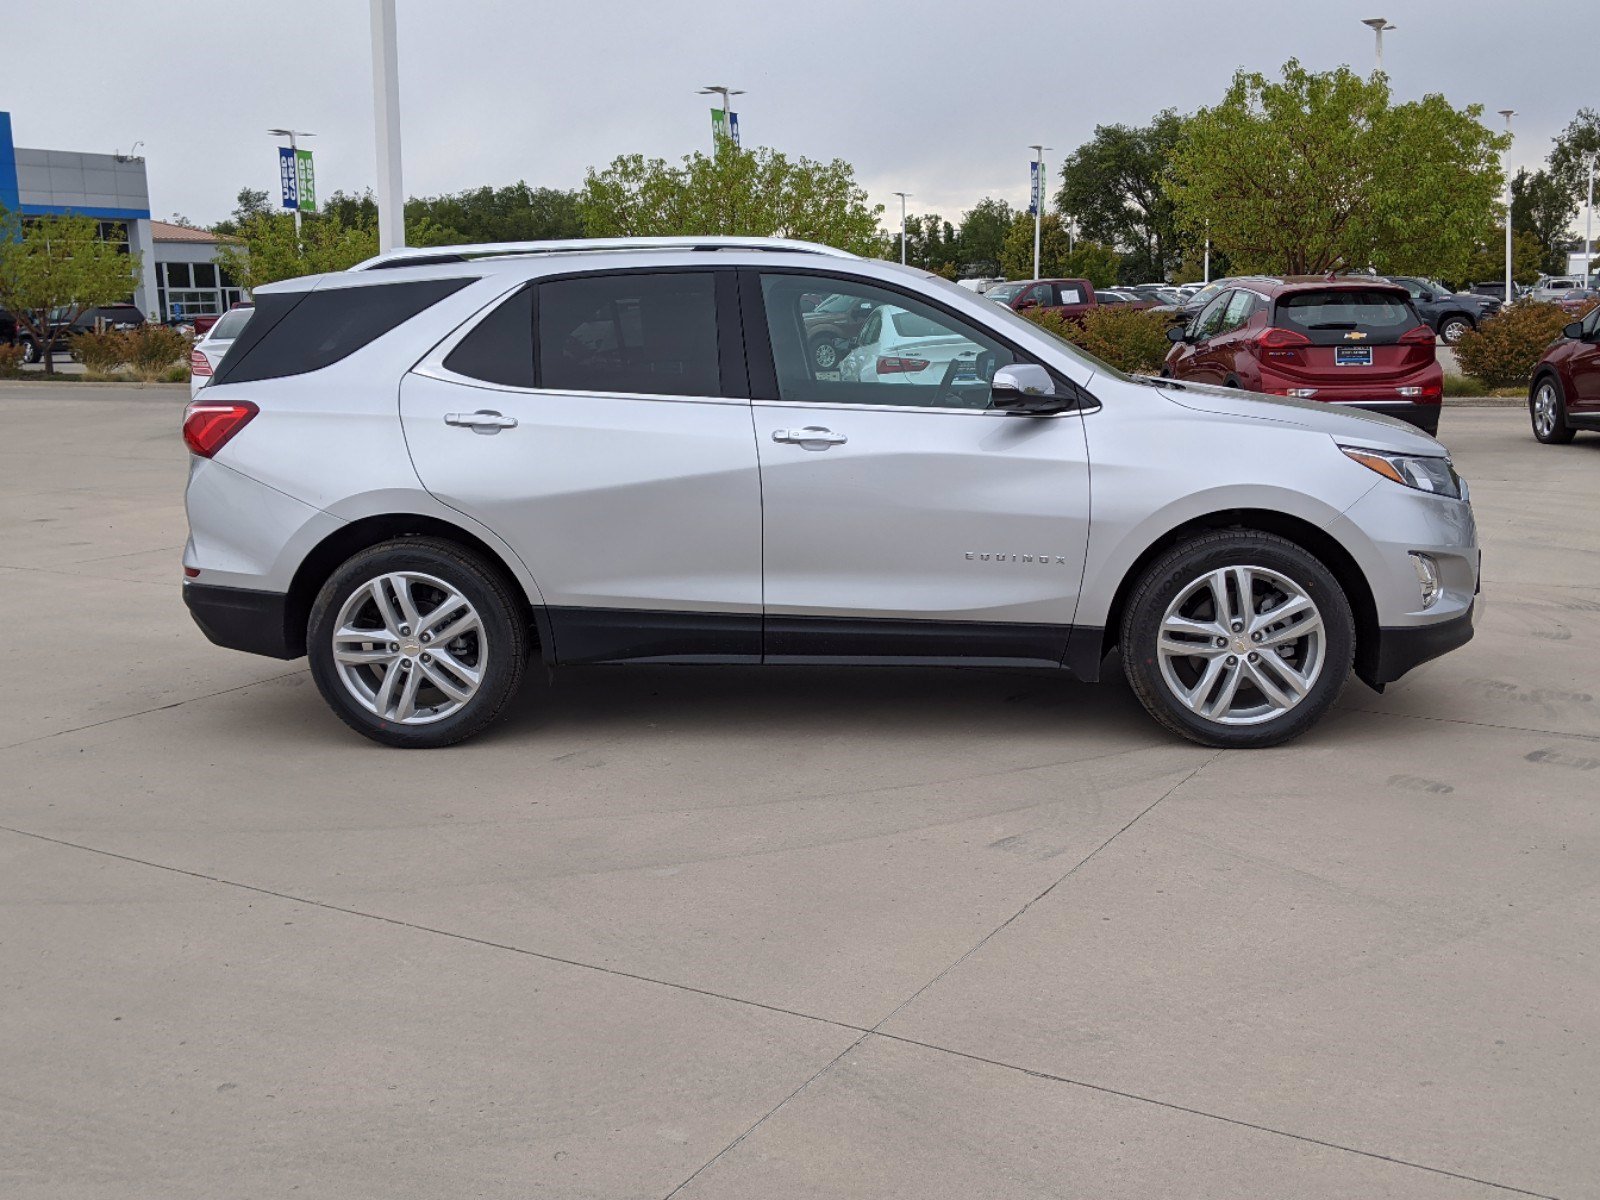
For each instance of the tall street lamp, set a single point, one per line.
(1588, 224)
(1378, 25)
(291, 134)
(903, 196)
(715, 89)
(386, 109)
(1508, 113)
(1038, 201)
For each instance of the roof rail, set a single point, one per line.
(415, 256)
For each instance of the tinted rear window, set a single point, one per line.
(297, 332)
(500, 348)
(640, 333)
(1342, 310)
(910, 325)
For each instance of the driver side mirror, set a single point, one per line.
(1573, 332)
(1177, 333)
(1025, 388)
(1022, 304)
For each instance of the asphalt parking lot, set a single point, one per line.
(781, 933)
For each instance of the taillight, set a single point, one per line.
(1281, 339)
(207, 426)
(198, 363)
(901, 366)
(1419, 336)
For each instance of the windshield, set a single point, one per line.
(1005, 293)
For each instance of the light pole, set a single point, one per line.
(1508, 113)
(903, 196)
(291, 134)
(1378, 25)
(1038, 202)
(718, 90)
(1588, 227)
(1207, 279)
(386, 107)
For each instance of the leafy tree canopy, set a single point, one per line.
(982, 236)
(1318, 171)
(1093, 261)
(60, 262)
(1576, 142)
(1540, 206)
(1113, 186)
(757, 193)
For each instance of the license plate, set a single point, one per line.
(1352, 356)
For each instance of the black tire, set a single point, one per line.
(485, 588)
(1557, 432)
(1174, 571)
(1453, 327)
(823, 348)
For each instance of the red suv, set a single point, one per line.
(1345, 341)
(1565, 394)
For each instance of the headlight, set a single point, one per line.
(1434, 475)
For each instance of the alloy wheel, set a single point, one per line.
(409, 648)
(1544, 410)
(1241, 645)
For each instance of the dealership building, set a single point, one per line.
(178, 276)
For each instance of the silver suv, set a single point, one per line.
(427, 469)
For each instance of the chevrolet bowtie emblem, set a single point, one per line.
(1355, 335)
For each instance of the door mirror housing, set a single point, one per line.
(1573, 332)
(1026, 388)
(1177, 333)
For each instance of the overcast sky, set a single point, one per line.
(940, 98)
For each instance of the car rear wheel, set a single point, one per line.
(1548, 409)
(1237, 639)
(1453, 329)
(417, 643)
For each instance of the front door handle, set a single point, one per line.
(485, 421)
(812, 437)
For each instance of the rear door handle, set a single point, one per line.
(483, 421)
(812, 437)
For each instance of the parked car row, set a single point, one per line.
(62, 331)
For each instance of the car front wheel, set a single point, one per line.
(1237, 639)
(417, 643)
(1453, 329)
(1548, 409)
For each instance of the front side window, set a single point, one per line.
(908, 353)
(1039, 293)
(1240, 306)
(1210, 319)
(645, 334)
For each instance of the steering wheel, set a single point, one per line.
(945, 388)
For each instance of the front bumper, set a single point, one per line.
(1402, 647)
(241, 619)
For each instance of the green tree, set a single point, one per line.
(1541, 206)
(982, 236)
(1113, 186)
(931, 244)
(59, 262)
(1093, 261)
(756, 193)
(250, 202)
(345, 232)
(1319, 171)
(1568, 160)
(1487, 263)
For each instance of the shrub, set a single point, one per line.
(177, 373)
(1505, 348)
(1129, 339)
(153, 350)
(10, 362)
(100, 353)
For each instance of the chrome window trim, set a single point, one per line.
(911, 408)
(431, 370)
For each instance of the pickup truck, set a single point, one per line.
(1069, 297)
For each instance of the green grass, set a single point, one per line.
(1467, 385)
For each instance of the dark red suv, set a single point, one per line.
(1565, 394)
(1344, 341)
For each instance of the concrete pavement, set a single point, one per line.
(785, 933)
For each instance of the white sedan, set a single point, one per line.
(207, 354)
(896, 346)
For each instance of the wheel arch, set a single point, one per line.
(1319, 542)
(355, 536)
